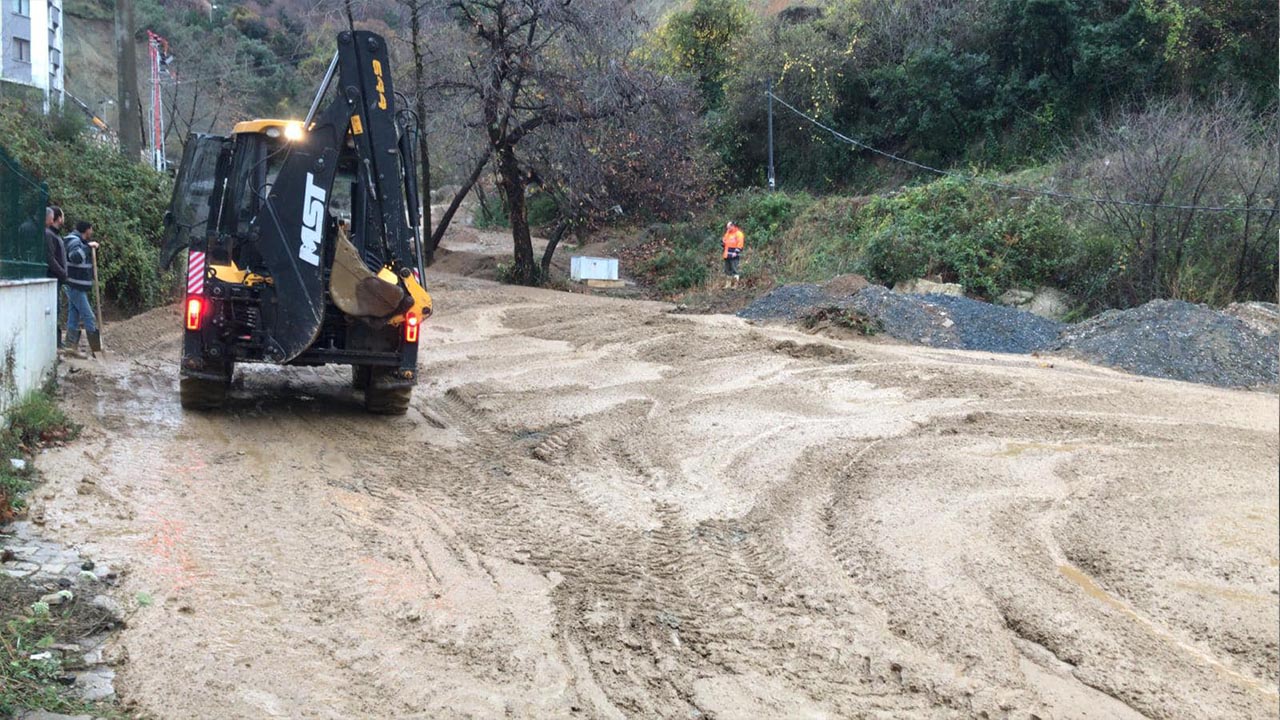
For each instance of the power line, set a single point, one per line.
(1014, 188)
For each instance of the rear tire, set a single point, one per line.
(360, 376)
(390, 401)
(200, 394)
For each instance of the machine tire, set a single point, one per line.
(199, 394)
(391, 401)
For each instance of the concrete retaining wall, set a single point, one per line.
(28, 338)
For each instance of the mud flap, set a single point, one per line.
(356, 290)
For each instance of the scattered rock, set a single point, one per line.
(96, 684)
(109, 606)
(921, 286)
(1051, 303)
(18, 464)
(1016, 298)
(58, 598)
(86, 565)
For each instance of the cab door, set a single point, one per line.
(197, 195)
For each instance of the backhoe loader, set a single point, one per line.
(303, 240)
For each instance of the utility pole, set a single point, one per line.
(772, 179)
(127, 83)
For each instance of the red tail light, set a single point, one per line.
(411, 327)
(195, 312)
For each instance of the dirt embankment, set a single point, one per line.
(596, 508)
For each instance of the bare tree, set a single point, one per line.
(533, 67)
(1159, 164)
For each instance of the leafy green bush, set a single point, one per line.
(762, 215)
(541, 209)
(963, 233)
(91, 181)
(492, 213)
(677, 269)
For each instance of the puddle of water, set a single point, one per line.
(1016, 449)
(1091, 588)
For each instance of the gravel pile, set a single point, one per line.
(956, 322)
(935, 320)
(1180, 341)
(1238, 347)
(788, 302)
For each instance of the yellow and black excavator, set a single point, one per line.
(303, 239)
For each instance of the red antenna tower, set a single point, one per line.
(160, 59)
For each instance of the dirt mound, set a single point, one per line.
(1180, 341)
(467, 264)
(850, 284)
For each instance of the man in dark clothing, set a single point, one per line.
(55, 257)
(79, 248)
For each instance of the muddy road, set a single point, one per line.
(598, 509)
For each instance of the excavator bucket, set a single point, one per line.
(356, 290)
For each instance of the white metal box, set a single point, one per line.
(593, 268)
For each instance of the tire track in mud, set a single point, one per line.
(585, 513)
(679, 602)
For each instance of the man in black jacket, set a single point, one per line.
(55, 257)
(79, 248)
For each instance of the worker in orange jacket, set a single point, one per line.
(733, 243)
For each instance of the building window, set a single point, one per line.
(23, 49)
(55, 16)
(22, 7)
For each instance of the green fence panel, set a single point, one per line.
(22, 204)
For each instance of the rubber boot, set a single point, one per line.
(72, 345)
(95, 342)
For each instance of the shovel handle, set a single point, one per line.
(97, 291)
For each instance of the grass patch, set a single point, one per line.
(31, 669)
(30, 425)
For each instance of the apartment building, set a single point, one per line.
(31, 40)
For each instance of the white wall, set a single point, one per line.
(40, 44)
(28, 338)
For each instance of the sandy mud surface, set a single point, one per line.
(599, 509)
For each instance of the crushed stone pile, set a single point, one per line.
(788, 302)
(1235, 347)
(956, 322)
(1180, 341)
(935, 320)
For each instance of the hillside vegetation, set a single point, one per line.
(91, 181)
(995, 143)
(1063, 131)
